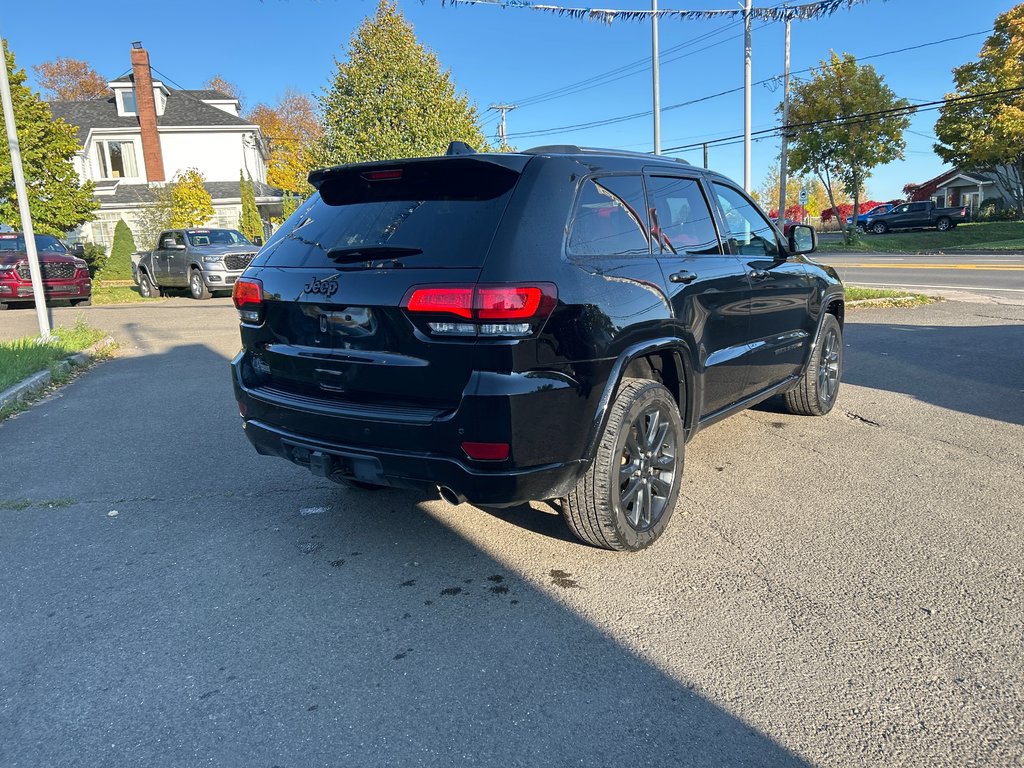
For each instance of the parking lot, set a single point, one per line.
(836, 591)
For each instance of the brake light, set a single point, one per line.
(450, 301)
(510, 310)
(391, 175)
(248, 298)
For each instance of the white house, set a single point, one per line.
(145, 133)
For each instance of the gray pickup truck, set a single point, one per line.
(202, 260)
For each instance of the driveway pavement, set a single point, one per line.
(835, 591)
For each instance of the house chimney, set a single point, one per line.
(146, 107)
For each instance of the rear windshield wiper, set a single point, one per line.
(365, 253)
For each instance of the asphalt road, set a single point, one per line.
(835, 591)
(998, 277)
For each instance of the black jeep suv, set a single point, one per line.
(550, 324)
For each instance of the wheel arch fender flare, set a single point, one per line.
(828, 300)
(681, 357)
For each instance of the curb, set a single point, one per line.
(41, 380)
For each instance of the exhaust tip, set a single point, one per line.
(450, 496)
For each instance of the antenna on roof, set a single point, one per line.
(460, 148)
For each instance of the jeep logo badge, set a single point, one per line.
(327, 287)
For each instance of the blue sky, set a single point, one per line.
(511, 55)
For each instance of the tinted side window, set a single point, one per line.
(751, 232)
(179, 238)
(609, 218)
(680, 218)
(917, 206)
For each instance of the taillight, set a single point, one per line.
(491, 310)
(248, 297)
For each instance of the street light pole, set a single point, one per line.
(39, 298)
(746, 94)
(655, 77)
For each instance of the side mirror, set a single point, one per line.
(802, 239)
(257, 241)
(167, 243)
(78, 249)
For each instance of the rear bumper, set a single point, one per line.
(545, 420)
(403, 469)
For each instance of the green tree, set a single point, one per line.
(57, 199)
(191, 204)
(119, 265)
(986, 133)
(250, 223)
(839, 137)
(391, 99)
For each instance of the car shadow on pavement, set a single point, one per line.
(171, 598)
(977, 370)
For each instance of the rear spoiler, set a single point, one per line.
(456, 156)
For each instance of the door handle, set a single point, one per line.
(759, 274)
(682, 277)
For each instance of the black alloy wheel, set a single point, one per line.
(627, 496)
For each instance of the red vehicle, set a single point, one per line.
(65, 276)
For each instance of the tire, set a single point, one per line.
(82, 302)
(818, 388)
(147, 289)
(197, 286)
(879, 227)
(644, 433)
(943, 224)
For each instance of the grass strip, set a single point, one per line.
(22, 357)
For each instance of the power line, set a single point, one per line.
(864, 117)
(636, 115)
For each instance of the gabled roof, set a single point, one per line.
(183, 109)
(930, 187)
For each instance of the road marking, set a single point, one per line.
(949, 287)
(979, 267)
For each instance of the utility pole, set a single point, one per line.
(655, 76)
(38, 296)
(502, 132)
(746, 95)
(705, 154)
(783, 169)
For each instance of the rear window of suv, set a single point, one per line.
(429, 214)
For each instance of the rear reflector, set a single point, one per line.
(486, 451)
(248, 298)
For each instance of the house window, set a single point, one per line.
(129, 103)
(116, 159)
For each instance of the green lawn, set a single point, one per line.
(23, 357)
(980, 236)
(116, 294)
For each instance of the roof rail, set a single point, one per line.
(572, 149)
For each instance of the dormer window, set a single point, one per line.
(129, 104)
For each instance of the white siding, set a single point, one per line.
(218, 156)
